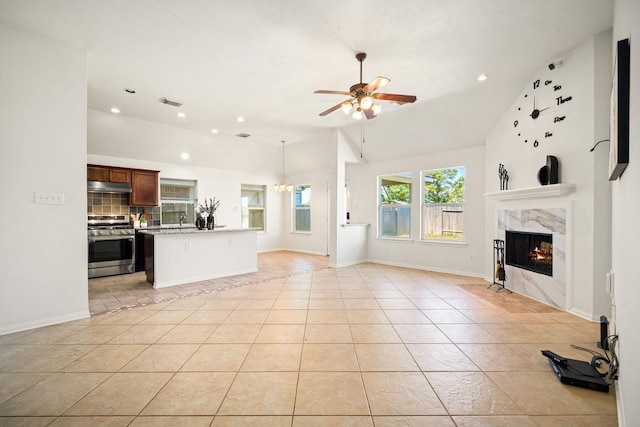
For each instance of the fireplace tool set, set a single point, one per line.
(498, 260)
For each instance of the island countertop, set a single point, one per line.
(189, 230)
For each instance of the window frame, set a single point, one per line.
(401, 177)
(424, 206)
(295, 208)
(192, 202)
(248, 209)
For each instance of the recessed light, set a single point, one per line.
(181, 115)
(184, 156)
(240, 119)
(482, 77)
(115, 110)
(214, 131)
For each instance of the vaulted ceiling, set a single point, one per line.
(263, 60)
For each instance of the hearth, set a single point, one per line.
(529, 251)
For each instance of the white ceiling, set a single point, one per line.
(263, 59)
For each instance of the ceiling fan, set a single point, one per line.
(363, 96)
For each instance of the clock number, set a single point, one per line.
(535, 143)
(547, 82)
(547, 134)
(556, 87)
(558, 119)
(561, 100)
(536, 84)
(515, 124)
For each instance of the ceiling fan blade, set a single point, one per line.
(333, 92)
(334, 108)
(370, 114)
(400, 99)
(376, 83)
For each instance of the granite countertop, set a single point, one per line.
(189, 230)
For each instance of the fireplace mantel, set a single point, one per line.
(553, 190)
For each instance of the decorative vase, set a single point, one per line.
(553, 170)
(543, 176)
(210, 222)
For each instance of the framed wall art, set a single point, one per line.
(619, 126)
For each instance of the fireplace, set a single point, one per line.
(529, 251)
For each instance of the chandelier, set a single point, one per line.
(284, 185)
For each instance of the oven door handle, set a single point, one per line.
(94, 239)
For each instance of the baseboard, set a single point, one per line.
(428, 268)
(348, 264)
(622, 422)
(292, 250)
(48, 321)
(584, 315)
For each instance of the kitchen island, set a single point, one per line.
(183, 255)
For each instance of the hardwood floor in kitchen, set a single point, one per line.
(302, 344)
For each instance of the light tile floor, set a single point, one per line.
(301, 344)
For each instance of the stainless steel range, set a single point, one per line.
(112, 247)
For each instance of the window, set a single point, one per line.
(443, 204)
(252, 201)
(394, 209)
(302, 208)
(177, 198)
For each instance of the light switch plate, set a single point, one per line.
(49, 198)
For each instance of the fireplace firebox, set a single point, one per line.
(530, 251)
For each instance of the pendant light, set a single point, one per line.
(284, 185)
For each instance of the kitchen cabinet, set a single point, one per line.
(108, 174)
(144, 183)
(144, 188)
(120, 175)
(97, 173)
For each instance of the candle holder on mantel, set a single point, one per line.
(504, 177)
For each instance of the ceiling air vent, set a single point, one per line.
(172, 103)
(243, 135)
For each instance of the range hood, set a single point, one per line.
(107, 187)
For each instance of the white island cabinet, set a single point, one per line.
(175, 256)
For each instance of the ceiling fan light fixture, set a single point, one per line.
(366, 102)
(363, 95)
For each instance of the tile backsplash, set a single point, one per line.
(154, 211)
(118, 204)
(107, 204)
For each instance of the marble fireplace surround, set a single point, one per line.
(539, 210)
(551, 290)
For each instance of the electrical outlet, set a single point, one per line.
(187, 246)
(48, 198)
(230, 242)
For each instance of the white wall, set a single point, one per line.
(585, 123)
(465, 258)
(315, 241)
(626, 230)
(43, 255)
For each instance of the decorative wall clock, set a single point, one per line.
(540, 109)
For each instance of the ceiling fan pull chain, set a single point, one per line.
(362, 136)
